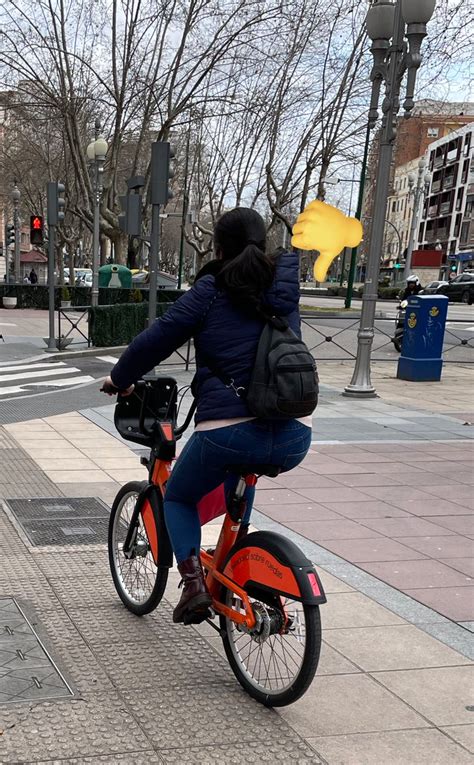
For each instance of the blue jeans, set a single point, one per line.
(201, 468)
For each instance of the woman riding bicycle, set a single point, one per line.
(222, 312)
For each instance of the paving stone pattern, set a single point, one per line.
(148, 691)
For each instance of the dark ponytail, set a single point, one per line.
(247, 271)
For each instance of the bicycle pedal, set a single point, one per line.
(196, 617)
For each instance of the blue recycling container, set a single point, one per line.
(421, 358)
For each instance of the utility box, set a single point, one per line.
(421, 358)
(115, 276)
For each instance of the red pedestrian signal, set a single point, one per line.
(36, 229)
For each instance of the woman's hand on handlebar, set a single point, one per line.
(112, 390)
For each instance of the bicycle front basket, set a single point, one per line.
(153, 400)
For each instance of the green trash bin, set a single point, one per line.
(115, 276)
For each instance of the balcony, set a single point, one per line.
(431, 235)
(448, 182)
(432, 211)
(442, 233)
(438, 161)
(445, 208)
(452, 155)
(435, 186)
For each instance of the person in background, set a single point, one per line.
(413, 287)
(33, 277)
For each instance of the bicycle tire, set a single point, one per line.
(131, 597)
(309, 660)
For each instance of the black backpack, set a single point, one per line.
(284, 381)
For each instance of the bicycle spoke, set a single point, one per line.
(137, 574)
(271, 664)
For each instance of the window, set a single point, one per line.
(432, 132)
(394, 205)
(465, 171)
(466, 278)
(464, 233)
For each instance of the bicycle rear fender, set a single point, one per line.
(150, 504)
(274, 563)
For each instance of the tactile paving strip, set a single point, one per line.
(27, 672)
(62, 521)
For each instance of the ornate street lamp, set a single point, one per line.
(15, 197)
(397, 30)
(422, 180)
(96, 154)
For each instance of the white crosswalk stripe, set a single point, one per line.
(39, 375)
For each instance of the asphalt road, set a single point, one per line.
(455, 310)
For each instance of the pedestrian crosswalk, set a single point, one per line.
(31, 377)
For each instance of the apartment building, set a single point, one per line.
(399, 214)
(447, 217)
(430, 121)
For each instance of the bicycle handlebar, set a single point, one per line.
(182, 428)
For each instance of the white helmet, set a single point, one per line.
(413, 278)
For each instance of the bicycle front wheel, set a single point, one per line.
(276, 662)
(139, 582)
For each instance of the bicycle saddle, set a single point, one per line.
(271, 470)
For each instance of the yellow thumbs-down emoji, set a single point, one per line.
(326, 229)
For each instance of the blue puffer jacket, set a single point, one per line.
(221, 332)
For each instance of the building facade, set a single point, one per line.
(430, 121)
(399, 214)
(447, 217)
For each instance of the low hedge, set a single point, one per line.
(118, 324)
(389, 293)
(36, 296)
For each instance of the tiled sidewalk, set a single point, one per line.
(402, 512)
(148, 691)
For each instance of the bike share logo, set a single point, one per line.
(412, 320)
(434, 311)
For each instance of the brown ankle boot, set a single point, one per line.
(193, 607)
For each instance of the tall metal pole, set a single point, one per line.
(16, 223)
(153, 261)
(51, 259)
(183, 217)
(358, 215)
(6, 251)
(95, 239)
(414, 218)
(361, 383)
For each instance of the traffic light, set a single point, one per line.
(9, 234)
(398, 265)
(36, 229)
(56, 203)
(130, 219)
(162, 170)
(453, 267)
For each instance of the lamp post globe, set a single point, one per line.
(417, 11)
(15, 194)
(411, 179)
(90, 151)
(100, 148)
(379, 21)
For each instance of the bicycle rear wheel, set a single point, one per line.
(275, 663)
(139, 582)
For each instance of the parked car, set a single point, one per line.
(460, 288)
(432, 288)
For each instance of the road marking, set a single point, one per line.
(108, 359)
(59, 383)
(44, 373)
(28, 367)
(7, 324)
(455, 325)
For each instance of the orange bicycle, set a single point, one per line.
(266, 594)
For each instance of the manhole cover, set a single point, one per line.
(27, 671)
(68, 521)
